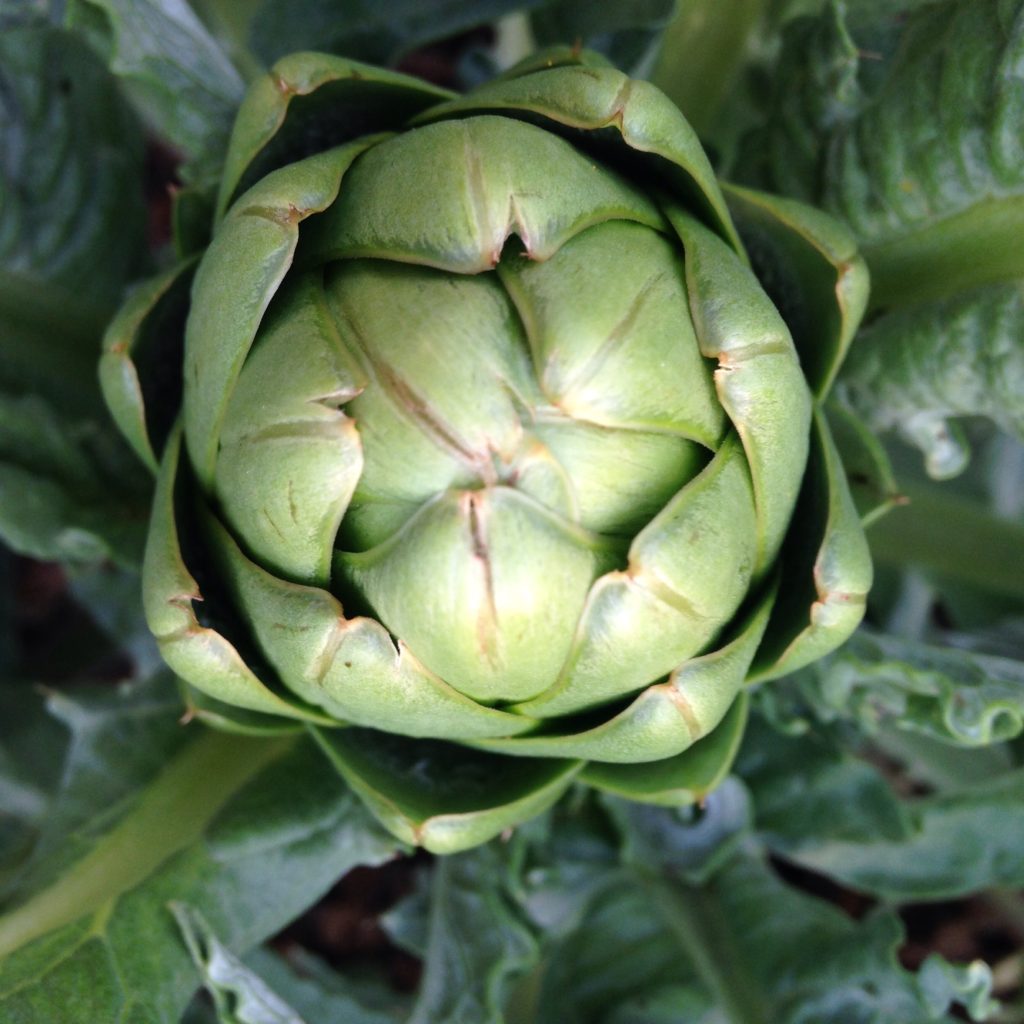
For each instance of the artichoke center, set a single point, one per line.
(510, 389)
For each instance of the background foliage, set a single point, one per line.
(140, 859)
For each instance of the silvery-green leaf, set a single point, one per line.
(627, 33)
(917, 369)
(701, 937)
(318, 991)
(173, 68)
(373, 32)
(936, 201)
(29, 773)
(477, 941)
(68, 488)
(239, 995)
(71, 200)
(956, 696)
(836, 814)
(251, 831)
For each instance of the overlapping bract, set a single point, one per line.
(492, 447)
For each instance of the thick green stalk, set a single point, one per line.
(954, 536)
(523, 1004)
(700, 54)
(979, 245)
(170, 815)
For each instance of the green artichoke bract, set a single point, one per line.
(491, 448)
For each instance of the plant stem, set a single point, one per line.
(977, 246)
(701, 52)
(514, 39)
(954, 536)
(523, 1003)
(170, 814)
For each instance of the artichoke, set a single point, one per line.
(482, 452)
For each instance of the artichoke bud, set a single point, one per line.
(496, 435)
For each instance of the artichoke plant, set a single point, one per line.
(489, 440)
